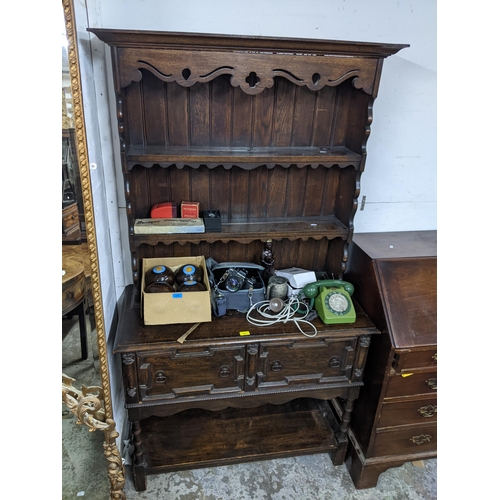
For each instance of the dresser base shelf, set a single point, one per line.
(200, 438)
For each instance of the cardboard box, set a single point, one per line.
(176, 307)
(212, 221)
(190, 209)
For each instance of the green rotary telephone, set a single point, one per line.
(332, 300)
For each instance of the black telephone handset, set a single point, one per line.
(334, 303)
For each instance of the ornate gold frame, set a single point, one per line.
(91, 405)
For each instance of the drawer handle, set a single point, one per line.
(160, 377)
(435, 357)
(276, 366)
(224, 371)
(432, 383)
(428, 411)
(334, 362)
(421, 439)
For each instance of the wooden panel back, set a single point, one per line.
(217, 114)
(316, 255)
(242, 195)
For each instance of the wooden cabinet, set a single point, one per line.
(237, 398)
(394, 420)
(272, 133)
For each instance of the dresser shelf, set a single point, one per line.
(244, 157)
(186, 440)
(302, 228)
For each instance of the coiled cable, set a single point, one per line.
(292, 307)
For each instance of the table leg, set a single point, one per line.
(139, 466)
(80, 310)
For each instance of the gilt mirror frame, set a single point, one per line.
(91, 405)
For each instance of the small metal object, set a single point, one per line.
(427, 411)
(421, 439)
(432, 383)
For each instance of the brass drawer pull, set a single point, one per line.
(160, 377)
(435, 357)
(276, 366)
(432, 383)
(428, 411)
(421, 439)
(224, 371)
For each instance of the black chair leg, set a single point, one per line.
(80, 310)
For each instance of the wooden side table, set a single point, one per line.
(73, 296)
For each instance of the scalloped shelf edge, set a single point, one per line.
(157, 239)
(243, 166)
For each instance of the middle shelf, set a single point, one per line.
(303, 228)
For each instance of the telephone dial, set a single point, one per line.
(332, 300)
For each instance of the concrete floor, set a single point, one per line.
(313, 477)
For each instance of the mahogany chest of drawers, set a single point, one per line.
(394, 419)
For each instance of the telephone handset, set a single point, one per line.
(332, 300)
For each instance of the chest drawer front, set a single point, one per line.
(416, 383)
(408, 361)
(179, 373)
(319, 361)
(418, 439)
(408, 412)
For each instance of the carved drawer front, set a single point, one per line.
(415, 360)
(321, 361)
(408, 412)
(182, 373)
(411, 439)
(409, 384)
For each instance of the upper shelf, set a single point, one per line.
(246, 158)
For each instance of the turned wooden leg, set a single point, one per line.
(341, 434)
(139, 465)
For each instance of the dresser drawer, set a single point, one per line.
(418, 439)
(314, 361)
(411, 384)
(182, 373)
(408, 412)
(407, 361)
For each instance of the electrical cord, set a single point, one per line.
(286, 314)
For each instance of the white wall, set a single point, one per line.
(400, 176)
